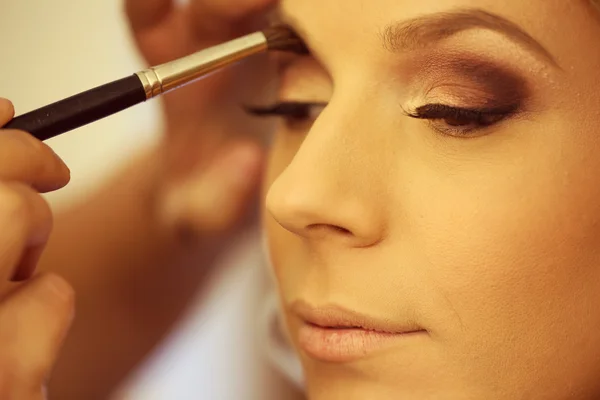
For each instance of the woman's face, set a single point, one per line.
(433, 204)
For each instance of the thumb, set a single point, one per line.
(34, 320)
(216, 199)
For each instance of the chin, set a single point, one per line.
(409, 372)
(360, 389)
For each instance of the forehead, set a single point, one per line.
(381, 11)
(338, 27)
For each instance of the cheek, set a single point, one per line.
(514, 248)
(526, 214)
(512, 263)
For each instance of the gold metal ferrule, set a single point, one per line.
(163, 78)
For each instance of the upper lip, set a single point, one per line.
(334, 316)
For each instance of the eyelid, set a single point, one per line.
(476, 74)
(439, 110)
(467, 95)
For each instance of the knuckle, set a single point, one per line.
(193, 226)
(212, 222)
(219, 223)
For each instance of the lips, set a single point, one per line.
(335, 334)
(335, 317)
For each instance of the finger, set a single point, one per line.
(26, 223)
(28, 160)
(34, 320)
(144, 14)
(29, 261)
(226, 17)
(216, 200)
(7, 111)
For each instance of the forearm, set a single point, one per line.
(132, 275)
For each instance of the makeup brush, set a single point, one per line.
(103, 101)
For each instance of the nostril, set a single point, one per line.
(327, 227)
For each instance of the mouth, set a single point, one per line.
(335, 334)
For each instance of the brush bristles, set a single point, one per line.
(285, 39)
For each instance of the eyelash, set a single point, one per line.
(447, 120)
(461, 122)
(292, 112)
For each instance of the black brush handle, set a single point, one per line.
(81, 109)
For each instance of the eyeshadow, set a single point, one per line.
(492, 81)
(498, 80)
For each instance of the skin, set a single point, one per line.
(489, 242)
(45, 303)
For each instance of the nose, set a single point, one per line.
(330, 191)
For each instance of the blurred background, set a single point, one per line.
(53, 49)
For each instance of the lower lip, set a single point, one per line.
(344, 345)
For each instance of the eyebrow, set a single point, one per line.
(421, 32)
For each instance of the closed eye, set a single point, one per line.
(448, 120)
(291, 112)
(457, 121)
